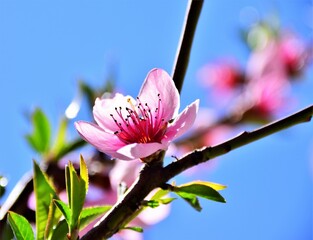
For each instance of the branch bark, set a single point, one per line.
(185, 43)
(200, 156)
(155, 175)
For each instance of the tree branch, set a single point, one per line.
(184, 46)
(200, 156)
(125, 209)
(154, 175)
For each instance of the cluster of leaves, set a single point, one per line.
(57, 220)
(49, 208)
(190, 193)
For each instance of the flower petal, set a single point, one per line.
(103, 141)
(183, 122)
(141, 150)
(104, 107)
(159, 82)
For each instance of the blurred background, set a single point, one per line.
(46, 48)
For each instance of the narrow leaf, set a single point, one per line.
(68, 185)
(66, 211)
(191, 199)
(53, 217)
(91, 213)
(215, 186)
(201, 191)
(44, 193)
(159, 194)
(84, 172)
(166, 200)
(60, 232)
(136, 229)
(21, 228)
(78, 194)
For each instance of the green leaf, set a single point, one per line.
(136, 229)
(53, 217)
(84, 172)
(151, 203)
(68, 185)
(190, 191)
(156, 203)
(40, 137)
(190, 199)
(166, 200)
(66, 211)
(215, 186)
(77, 195)
(200, 190)
(159, 194)
(60, 232)
(91, 213)
(20, 226)
(60, 140)
(44, 193)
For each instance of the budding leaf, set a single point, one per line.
(21, 228)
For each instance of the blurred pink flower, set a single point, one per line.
(267, 84)
(129, 129)
(294, 53)
(224, 77)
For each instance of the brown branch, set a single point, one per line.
(153, 176)
(200, 156)
(125, 209)
(184, 46)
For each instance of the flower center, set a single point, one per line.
(139, 123)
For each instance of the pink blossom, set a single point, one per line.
(267, 85)
(224, 77)
(128, 128)
(294, 53)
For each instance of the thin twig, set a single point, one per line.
(184, 46)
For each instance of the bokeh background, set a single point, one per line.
(47, 46)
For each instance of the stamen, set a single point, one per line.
(141, 124)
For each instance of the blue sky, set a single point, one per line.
(47, 46)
